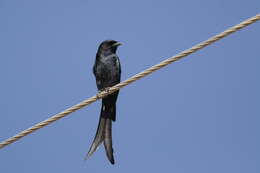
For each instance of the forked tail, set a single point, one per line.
(104, 133)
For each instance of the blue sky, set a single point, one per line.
(200, 114)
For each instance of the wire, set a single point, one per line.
(130, 80)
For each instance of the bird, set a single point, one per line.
(107, 71)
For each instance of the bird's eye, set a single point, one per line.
(112, 42)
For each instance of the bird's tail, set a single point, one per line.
(104, 133)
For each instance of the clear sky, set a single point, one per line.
(199, 115)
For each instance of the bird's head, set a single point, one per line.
(108, 46)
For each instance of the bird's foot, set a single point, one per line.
(107, 89)
(100, 91)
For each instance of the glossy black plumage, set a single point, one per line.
(107, 71)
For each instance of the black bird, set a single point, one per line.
(107, 71)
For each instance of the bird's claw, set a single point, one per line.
(104, 89)
(107, 89)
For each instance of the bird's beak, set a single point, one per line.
(117, 44)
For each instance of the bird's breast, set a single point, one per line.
(109, 67)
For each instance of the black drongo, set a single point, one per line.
(107, 71)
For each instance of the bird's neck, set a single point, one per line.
(107, 52)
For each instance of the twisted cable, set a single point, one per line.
(130, 80)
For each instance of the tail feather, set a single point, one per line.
(99, 137)
(108, 141)
(104, 133)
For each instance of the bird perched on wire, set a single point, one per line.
(107, 71)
